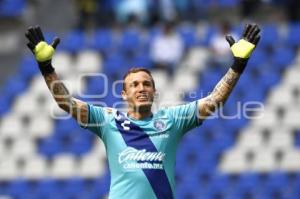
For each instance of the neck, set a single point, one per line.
(139, 115)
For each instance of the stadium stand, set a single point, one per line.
(237, 158)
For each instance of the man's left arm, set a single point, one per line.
(241, 51)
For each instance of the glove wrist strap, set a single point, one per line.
(46, 67)
(239, 65)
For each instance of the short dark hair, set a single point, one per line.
(135, 70)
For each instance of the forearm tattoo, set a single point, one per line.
(61, 94)
(222, 91)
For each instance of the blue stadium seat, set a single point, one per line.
(47, 187)
(228, 3)
(50, 147)
(131, 40)
(14, 86)
(269, 36)
(141, 59)
(18, 187)
(12, 8)
(73, 42)
(293, 38)
(73, 187)
(102, 40)
(28, 67)
(188, 35)
(65, 127)
(80, 145)
(277, 180)
(5, 102)
(283, 57)
(258, 58)
(115, 65)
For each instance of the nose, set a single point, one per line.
(141, 87)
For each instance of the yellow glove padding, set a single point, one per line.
(242, 49)
(43, 51)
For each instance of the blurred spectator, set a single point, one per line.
(220, 50)
(292, 9)
(249, 7)
(167, 48)
(87, 13)
(127, 8)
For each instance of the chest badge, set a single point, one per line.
(159, 125)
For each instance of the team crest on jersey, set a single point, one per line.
(159, 125)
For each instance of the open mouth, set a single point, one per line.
(142, 98)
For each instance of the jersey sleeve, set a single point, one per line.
(185, 117)
(96, 120)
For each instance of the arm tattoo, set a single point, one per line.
(221, 92)
(62, 95)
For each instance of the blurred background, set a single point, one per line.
(44, 155)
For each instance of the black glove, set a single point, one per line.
(42, 51)
(244, 47)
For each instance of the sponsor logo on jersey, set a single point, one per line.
(132, 158)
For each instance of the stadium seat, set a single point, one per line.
(88, 62)
(131, 40)
(64, 63)
(18, 187)
(103, 40)
(283, 57)
(90, 166)
(12, 8)
(28, 67)
(4, 105)
(73, 42)
(293, 38)
(35, 168)
(269, 34)
(141, 59)
(14, 86)
(63, 166)
(49, 147)
(188, 35)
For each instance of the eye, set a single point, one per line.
(134, 84)
(147, 83)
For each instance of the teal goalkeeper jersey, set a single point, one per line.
(141, 153)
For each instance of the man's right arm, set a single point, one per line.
(43, 53)
(77, 108)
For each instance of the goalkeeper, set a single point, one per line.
(141, 145)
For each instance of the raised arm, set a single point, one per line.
(241, 51)
(43, 53)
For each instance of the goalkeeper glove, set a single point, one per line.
(42, 51)
(242, 49)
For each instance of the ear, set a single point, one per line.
(124, 95)
(156, 95)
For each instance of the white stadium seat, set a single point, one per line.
(11, 126)
(35, 167)
(161, 79)
(185, 80)
(23, 147)
(41, 126)
(8, 168)
(63, 166)
(196, 59)
(25, 104)
(250, 139)
(281, 139)
(264, 160)
(90, 166)
(291, 160)
(234, 161)
(88, 62)
(63, 63)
